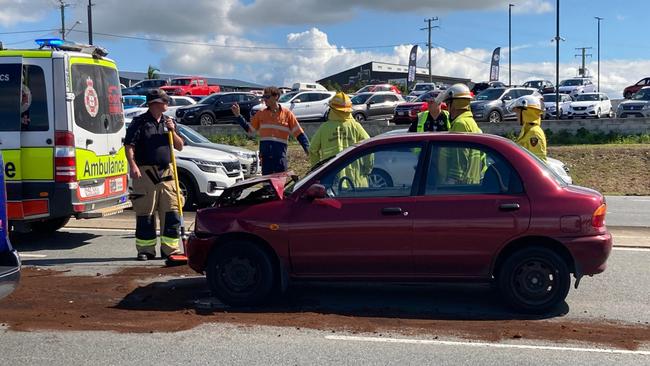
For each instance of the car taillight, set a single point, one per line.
(65, 162)
(598, 218)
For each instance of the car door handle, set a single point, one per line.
(509, 207)
(389, 211)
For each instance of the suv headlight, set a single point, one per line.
(645, 106)
(205, 165)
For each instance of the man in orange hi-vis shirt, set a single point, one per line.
(273, 125)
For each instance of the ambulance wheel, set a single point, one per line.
(49, 226)
(240, 273)
(188, 190)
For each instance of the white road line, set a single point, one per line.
(98, 229)
(29, 255)
(487, 345)
(632, 249)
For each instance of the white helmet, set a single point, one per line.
(527, 101)
(456, 91)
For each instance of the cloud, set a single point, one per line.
(532, 6)
(23, 11)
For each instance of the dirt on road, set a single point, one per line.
(158, 299)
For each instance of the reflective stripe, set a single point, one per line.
(267, 125)
(295, 129)
(276, 139)
(170, 242)
(145, 242)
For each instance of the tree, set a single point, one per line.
(152, 72)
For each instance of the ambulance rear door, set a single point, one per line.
(98, 127)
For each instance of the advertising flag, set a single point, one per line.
(494, 66)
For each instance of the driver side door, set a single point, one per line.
(361, 229)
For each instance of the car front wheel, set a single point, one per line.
(240, 273)
(534, 280)
(360, 117)
(494, 117)
(206, 119)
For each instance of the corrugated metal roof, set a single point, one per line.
(232, 83)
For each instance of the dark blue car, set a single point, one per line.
(9, 260)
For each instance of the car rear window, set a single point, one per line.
(97, 102)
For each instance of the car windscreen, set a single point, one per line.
(284, 98)
(97, 99)
(360, 98)
(423, 87)
(365, 89)
(490, 94)
(192, 135)
(180, 82)
(571, 82)
(533, 84)
(587, 98)
(643, 94)
(549, 98)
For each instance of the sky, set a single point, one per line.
(279, 42)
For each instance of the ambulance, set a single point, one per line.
(61, 131)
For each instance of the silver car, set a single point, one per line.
(637, 106)
(378, 105)
(491, 105)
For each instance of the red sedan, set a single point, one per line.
(408, 208)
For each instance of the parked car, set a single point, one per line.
(203, 174)
(410, 98)
(576, 86)
(193, 85)
(307, 87)
(217, 108)
(304, 105)
(133, 101)
(407, 113)
(175, 102)
(591, 105)
(479, 87)
(491, 105)
(549, 105)
(637, 106)
(334, 225)
(9, 259)
(542, 86)
(141, 87)
(379, 87)
(630, 90)
(421, 88)
(250, 162)
(378, 105)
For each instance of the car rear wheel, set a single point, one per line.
(379, 179)
(494, 117)
(240, 273)
(206, 119)
(49, 226)
(360, 117)
(534, 280)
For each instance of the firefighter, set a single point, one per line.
(273, 126)
(149, 156)
(434, 119)
(460, 165)
(532, 137)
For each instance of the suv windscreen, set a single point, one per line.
(97, 102)
(424, 87)
(643, 94)
(550, 98)
(587, 98)
(180, 82)
(490, 94)
(571, 82)
(360, 98)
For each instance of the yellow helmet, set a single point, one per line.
(456, 91)
(341, 102)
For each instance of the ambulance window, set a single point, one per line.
(97, 101)
(33, 116)
(9, 100)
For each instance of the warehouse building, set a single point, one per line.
(129, 78)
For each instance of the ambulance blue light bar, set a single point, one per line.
(50, 42)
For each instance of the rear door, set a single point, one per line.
(98, 128)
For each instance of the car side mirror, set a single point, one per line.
(371, 102)
(316, 191)
(296, 101)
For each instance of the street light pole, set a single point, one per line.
(90, 22)
(510, 44)
(557, 59)
(598, 19)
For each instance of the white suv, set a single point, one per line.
(305, 105)
(576, 86)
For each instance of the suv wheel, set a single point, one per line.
(494, 117)
(188, 191)
(206, 119)
(360, 117)
(240, 273)
(534, 280)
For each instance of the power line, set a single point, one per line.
(31, 31)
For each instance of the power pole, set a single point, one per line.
(62, 6)
(584, 55)
(90, 22)
(599, 19)
(510, 44)
(429, 27)
(557, 59)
